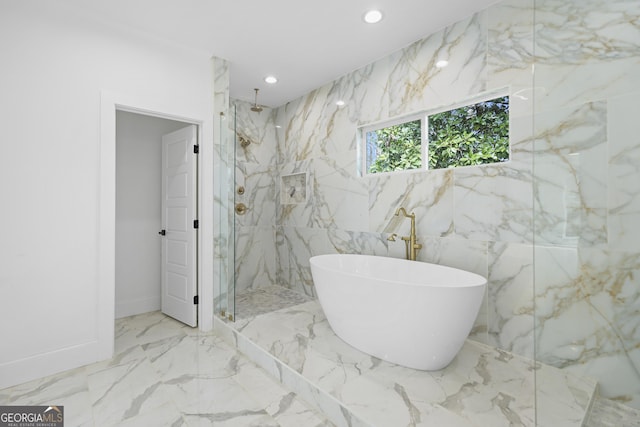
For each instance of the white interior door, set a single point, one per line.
(179, 222)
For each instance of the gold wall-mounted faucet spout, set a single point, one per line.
(411, 242)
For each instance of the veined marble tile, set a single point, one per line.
(293, 413)
(68, 389)
(493, 202)
(166, 415)
(180, 380)
(585, 51)
(623, 128)
(280, 403)
(428, 194)
(326, 404)
(176, 356)
(608, 413)
(126, 355)
(125, 391)
(340, 199)
(562, 396)
(222, 169)
(365, 91)
(304, 130)
(259, 194)
(416, 84)
(134, 331)
(223, 397)
(586, 306)
(483, 385)
(468, 255)
(259, 129)
(295, 246)
(510, 52)
(242, 419)
(571, 176)
(221, 85)
(338, 121)
(355, 242)
(284, 135)
(510, 301)
(255, 257)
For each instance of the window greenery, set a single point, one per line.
(474, 134)
(396, 147)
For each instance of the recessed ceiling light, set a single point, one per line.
(442, 63)
(373, 16)
(271, 79)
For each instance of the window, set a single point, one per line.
(473, 134)
(394, 148)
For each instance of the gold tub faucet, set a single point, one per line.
(411, 242)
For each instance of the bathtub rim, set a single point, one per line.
(482, 282)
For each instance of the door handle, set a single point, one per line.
(162, 232)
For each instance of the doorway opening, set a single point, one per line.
(156, 220)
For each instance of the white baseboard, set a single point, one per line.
(130, 308)
(42, 365)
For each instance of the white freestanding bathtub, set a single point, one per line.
(410, 313)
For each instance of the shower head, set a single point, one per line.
(255, 106)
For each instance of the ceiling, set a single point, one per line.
(305, 43)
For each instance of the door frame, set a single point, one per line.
(109, 103)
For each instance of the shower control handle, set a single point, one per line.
(241, 208)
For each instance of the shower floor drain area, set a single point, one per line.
(265, 300)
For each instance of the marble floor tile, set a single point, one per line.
(483, 386)
(608, 413)
(69, 389)
(164, 373)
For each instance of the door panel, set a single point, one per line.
(179, 249)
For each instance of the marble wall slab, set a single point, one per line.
(568, 196)
(586, 316)
(585, 51)
(571, 176)
(256, 173)
(427, 194)
(586, 191)
(623, 136)
(415, 83)
(477, 218)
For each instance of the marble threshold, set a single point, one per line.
(482, 387)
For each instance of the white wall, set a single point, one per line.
(55, 283)
(138, 211)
